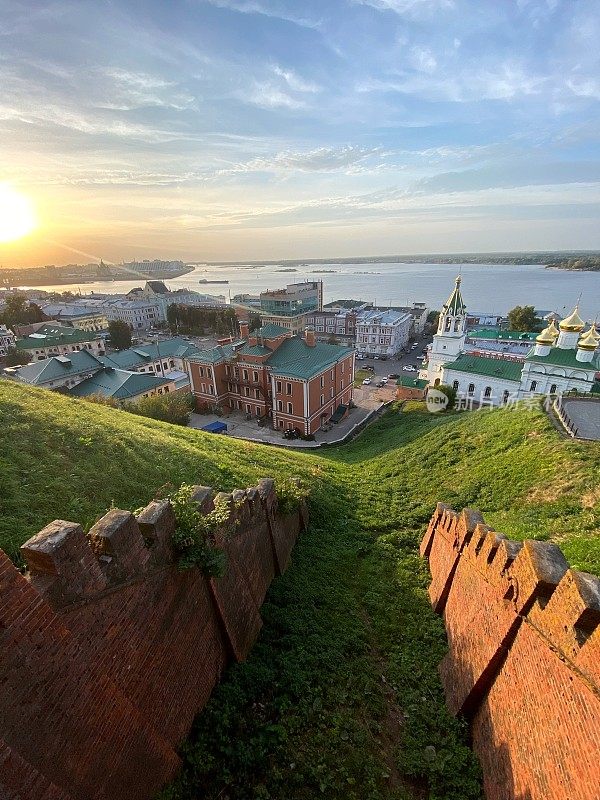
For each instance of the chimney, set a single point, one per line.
(309, 337)
(244, 329)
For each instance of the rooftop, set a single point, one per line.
(564, 358)
(144, 353)
(52, 335)
(270, 331)
(498, 334)
(381, 317)
(57, 367)
(491, 367)
(117, 383)
(412, 383)
(295, 359)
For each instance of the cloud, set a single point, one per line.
(409, 7)
(294, 81)
(349, 159)
(268, 95)
(254, 7)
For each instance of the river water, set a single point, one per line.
(486, 288)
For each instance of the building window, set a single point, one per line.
(322, 381)
(533, 386)
(245, 374)
(288, 388)
(255, 376)
(455, 385)
(278, 386)
(505, 396)
(322, 400)
(488, 391)
(280, 405)
(290, 408)
(471, 388)
(331, 374)
(553, 388)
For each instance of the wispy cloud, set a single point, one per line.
(275, 11)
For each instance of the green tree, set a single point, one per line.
(433, 319)
(523, 318)
(19, 311)
(120, 334)
(255, 320)
(15, 358)
(172, 407)
(450, 393)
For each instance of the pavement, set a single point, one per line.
(585, 416)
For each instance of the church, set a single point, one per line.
(562, 360)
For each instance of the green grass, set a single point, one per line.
(340, 697)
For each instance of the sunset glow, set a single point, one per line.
(17, 217)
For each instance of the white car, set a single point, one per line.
(367, 382)
(409, 368)
(385, 380)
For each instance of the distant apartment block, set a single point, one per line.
(157, 293)
(418, 311)
(77, 316)
(339, 325)
(382, 333)
(7, 340)
(50, 339)
(138, 314)
(294, 381)
(289, 307)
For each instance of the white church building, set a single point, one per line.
(562, 359)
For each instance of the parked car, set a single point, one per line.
(385, 379)
(367, 382)
(380, 384)
(409, 368)
(393, 376)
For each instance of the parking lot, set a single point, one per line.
(392, 366)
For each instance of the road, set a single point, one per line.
(392, 366)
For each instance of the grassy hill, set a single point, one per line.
(340, 697)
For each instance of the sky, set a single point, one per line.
(264, 129)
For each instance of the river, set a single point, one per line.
(486, 287)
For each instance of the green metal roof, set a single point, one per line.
(295, 359)
(455, 304)
(52, 335)
(495, 334)
(214, 355)
(563, 358)
(270, 331)
(145, 353)
(254, 350)
(58, 367)
(412, 383)
(117, 383)
(491, 367)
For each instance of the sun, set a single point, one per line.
(17, 217)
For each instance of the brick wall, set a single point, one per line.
(108, 651)
(524, 657)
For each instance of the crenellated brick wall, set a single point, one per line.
(108, 651)
(524, 657)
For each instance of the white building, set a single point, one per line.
(382, 333)
(156, 292)
(560, 361)
(138, 314)
(7, 340)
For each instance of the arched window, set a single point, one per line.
(505, 396)
(533, 386)
(455, 385)
(448, 324)
(436, 382)
(488, 391)
(471, 388)
(553, 388)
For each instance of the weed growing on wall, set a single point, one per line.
(193, 529)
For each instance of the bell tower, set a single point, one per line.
(449, 341)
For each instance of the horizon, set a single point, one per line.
(229, 131)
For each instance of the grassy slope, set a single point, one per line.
(340, 697)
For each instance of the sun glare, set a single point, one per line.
(17, 217)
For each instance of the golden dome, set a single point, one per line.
(547, 336)
(573, 323)
(553, 329)
(589, 340)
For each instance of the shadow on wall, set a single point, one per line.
(523, 664)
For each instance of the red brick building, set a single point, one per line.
(295, 381)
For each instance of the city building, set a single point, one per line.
(418, 311)
(289, 307)
(339, 325)
(50, 339)
(138, 314)
(58, 372)
(80, 317)
(7, 340)
(382, 333)
(560, 360)
(296, 382)
(122, 385)
(167, 358)
(489, 341)
(157, 293)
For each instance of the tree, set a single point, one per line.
(16, 358)
(120, 334)
(332, 339)
(450, 393)
(433, 319)
(254, 320)
(172, 407)
(19, 311)
(523, 318)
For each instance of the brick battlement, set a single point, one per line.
(108, 651)
(524, 657)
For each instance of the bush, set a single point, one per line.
(291, 492)
(16, 358)
(192, 532)
(450, 393)
(172, 407)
